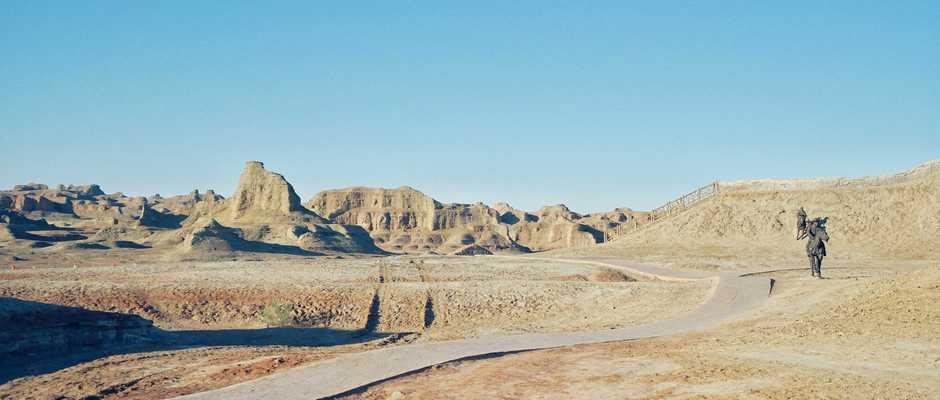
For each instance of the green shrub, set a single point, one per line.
(278, 314)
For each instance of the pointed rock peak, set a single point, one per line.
(211, 224)
(93, 190)
(30, 187)
(263, 191)
(212, 196)
(253, 164)
(557, 211)
(503, 207)
(148, 217)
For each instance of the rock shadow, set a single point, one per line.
(40, 338)
(26, 235)
(274, 248)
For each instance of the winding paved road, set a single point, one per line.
(733, 295)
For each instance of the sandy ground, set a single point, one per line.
(398, 299)
(163, 374)
(467, 296)
(868, 331)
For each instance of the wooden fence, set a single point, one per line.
(666, 210)
(684, 202)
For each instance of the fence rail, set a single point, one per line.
(666, 210)
(686, 201)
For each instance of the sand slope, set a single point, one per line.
(894, 216)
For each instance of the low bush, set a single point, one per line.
(278, 314)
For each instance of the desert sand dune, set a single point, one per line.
(894, 217)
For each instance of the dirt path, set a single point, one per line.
(867, 331)
(733, 296)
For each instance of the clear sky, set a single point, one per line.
(594, 105)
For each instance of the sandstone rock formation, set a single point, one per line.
(14, 225)
(30, 187)
(83, 190)
(6, 233)
(120, 221)
(155, 219)
(264, 208)
(509, 215)
(556, 227)
(405, 219)
(617, 223)
(262, 192)
(890, 215)
(14, 219)
(552, 227)
(265, 215)
(120, 236)
(186, 204)
(213, 237)
(40, 199)
(377, 210)
(88, 205)
(263, 202)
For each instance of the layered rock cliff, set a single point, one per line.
(264, 215)
(90, 206)
(405, 219)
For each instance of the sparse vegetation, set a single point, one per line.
(276, 314)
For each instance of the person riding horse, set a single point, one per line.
(818, 238)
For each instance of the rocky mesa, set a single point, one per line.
(405, 219)
(265, 215)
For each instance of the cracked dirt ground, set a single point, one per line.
(471, 297)
(869, 331)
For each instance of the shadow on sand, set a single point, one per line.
(274, 248)
(40, 338)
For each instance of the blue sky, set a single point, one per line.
(596, 106)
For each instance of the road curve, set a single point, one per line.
(732, 296)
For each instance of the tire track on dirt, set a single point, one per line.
(733, 295)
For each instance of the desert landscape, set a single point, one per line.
(421, 200)
(116, 297)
